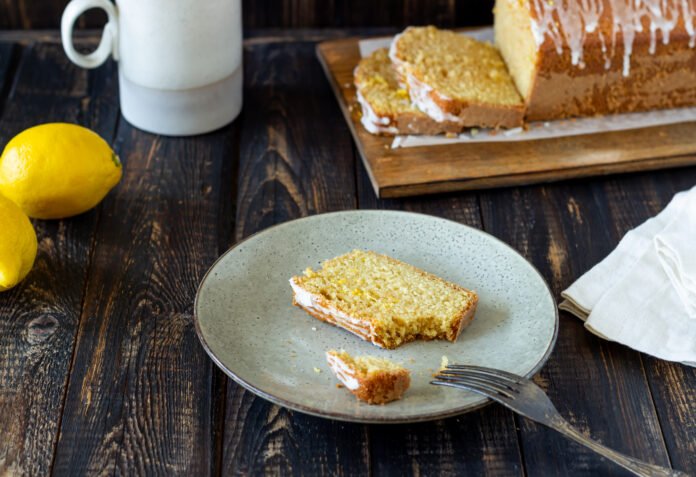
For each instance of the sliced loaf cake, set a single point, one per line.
(386, 106)
(454, 78)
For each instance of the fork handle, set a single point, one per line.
(636, 466)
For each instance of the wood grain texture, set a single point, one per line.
(9, 54)
(598, 386)
(480, 443)
(382, 13)
(140, 398)
(39, 318)
(296, 159)
(287, 13)
(425, 170)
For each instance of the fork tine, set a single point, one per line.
(490, 388)
(489, 393)
(489, 371)
(503, 381)
(481, 378)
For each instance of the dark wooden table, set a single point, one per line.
(100, 367)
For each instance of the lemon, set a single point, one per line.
(57, 170)
(17, 244)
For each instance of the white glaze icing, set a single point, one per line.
(398, 65)
(418, 91)
(568, 22)
(420, 97)
(371, 121)
(343, 372)
(309, 301)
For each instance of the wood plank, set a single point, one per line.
(16, 14)
(8, 55)
(382, 13)
(140, 397)
(672, 388)
(139, 369)
(39, 318)
(600, 387)
(9, 15)
(474, 13)
(479, 443)
(422, 170)
(672, 385)
(296, 159)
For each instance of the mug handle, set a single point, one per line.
(109, 40)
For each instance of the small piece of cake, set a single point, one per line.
(383, 300)
(370, 379)
(386, 107)
(452, 77)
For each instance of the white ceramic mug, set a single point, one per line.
(180, 61)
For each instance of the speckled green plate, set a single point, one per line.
(247, 324)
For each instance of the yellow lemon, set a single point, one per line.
(57, 170)
(17, 244)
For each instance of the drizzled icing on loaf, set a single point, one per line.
(568, 23)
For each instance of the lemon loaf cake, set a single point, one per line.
(452, 77)
(588, 57)
(370, 379)
(386, 107)
(383, 300)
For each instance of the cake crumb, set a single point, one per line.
(317, 370)
(339, 386)
(444, 362)
(314, 328)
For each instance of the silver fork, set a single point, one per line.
(526, 398)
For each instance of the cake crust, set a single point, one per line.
(368, 332)
(377, 387)
(603, 71)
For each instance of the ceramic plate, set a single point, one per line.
(248, 326)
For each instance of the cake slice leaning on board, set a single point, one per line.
(386, 106)
(453, 77)
(584, 58)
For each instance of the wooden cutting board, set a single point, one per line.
(431, 169)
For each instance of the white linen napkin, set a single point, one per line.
(643, 294)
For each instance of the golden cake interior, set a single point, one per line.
(400, 301)
(366, 366)
(457, 66)
(515, 40)
(376, 80)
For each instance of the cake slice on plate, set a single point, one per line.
(452, 77)
(386, 106)
(383, 300)
(370, 379)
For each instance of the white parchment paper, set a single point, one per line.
(538, 130)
